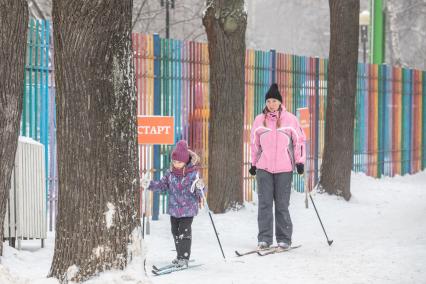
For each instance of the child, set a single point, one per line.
(182, 183)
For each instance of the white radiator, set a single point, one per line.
(26, 216)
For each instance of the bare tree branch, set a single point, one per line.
(138, 14)
(411, 7)
(395, 47)
(33, 3)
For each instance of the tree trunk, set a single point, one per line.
(342, 71)
(96, 134)
(13, 46)
(396, 58)
(225, 22)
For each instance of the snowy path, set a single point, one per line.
(379, 237)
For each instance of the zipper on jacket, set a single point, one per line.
(276, 147)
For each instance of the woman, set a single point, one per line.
(277, 146)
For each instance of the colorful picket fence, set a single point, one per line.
(172, 78)
(390, 122)
(390, 119)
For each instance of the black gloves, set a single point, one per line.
(300, 168)
(252, 170)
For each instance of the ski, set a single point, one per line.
(166, 266)
(254, 251)
(173, 269)
(277, 250)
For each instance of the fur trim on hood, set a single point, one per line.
(195, 159)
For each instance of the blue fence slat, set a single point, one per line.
(317, 101)
(382, 117)
(410, 99)
(157, 111)
(388, 120)
(424, 121)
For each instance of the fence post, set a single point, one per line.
(410, 119)
(424, 120)
(381, 77)
(273, 66)
(406, 127)
(44, 93)
(157, 111)
(30, 86)
(316, 131)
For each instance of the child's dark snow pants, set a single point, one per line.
(181, 230)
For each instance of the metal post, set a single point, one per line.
(157, 111)
(377, 39)
(364, 40)
(167, 20)
(316, 142)
(273, 66)
(364, 22)
(169, 4)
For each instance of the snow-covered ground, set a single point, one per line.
(379, 237)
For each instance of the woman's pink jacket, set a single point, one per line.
(277, 150)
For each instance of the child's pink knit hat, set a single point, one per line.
(180, 153)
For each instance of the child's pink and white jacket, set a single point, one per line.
(277, 150)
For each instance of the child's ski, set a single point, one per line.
(254, 251)
(167, 266)
(173, 269)
(277, 250)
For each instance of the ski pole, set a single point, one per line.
(141, 206)
(142, 216)
(143, 225)
(328, 241)
(214, 227)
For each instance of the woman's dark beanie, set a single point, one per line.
(273, 93)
